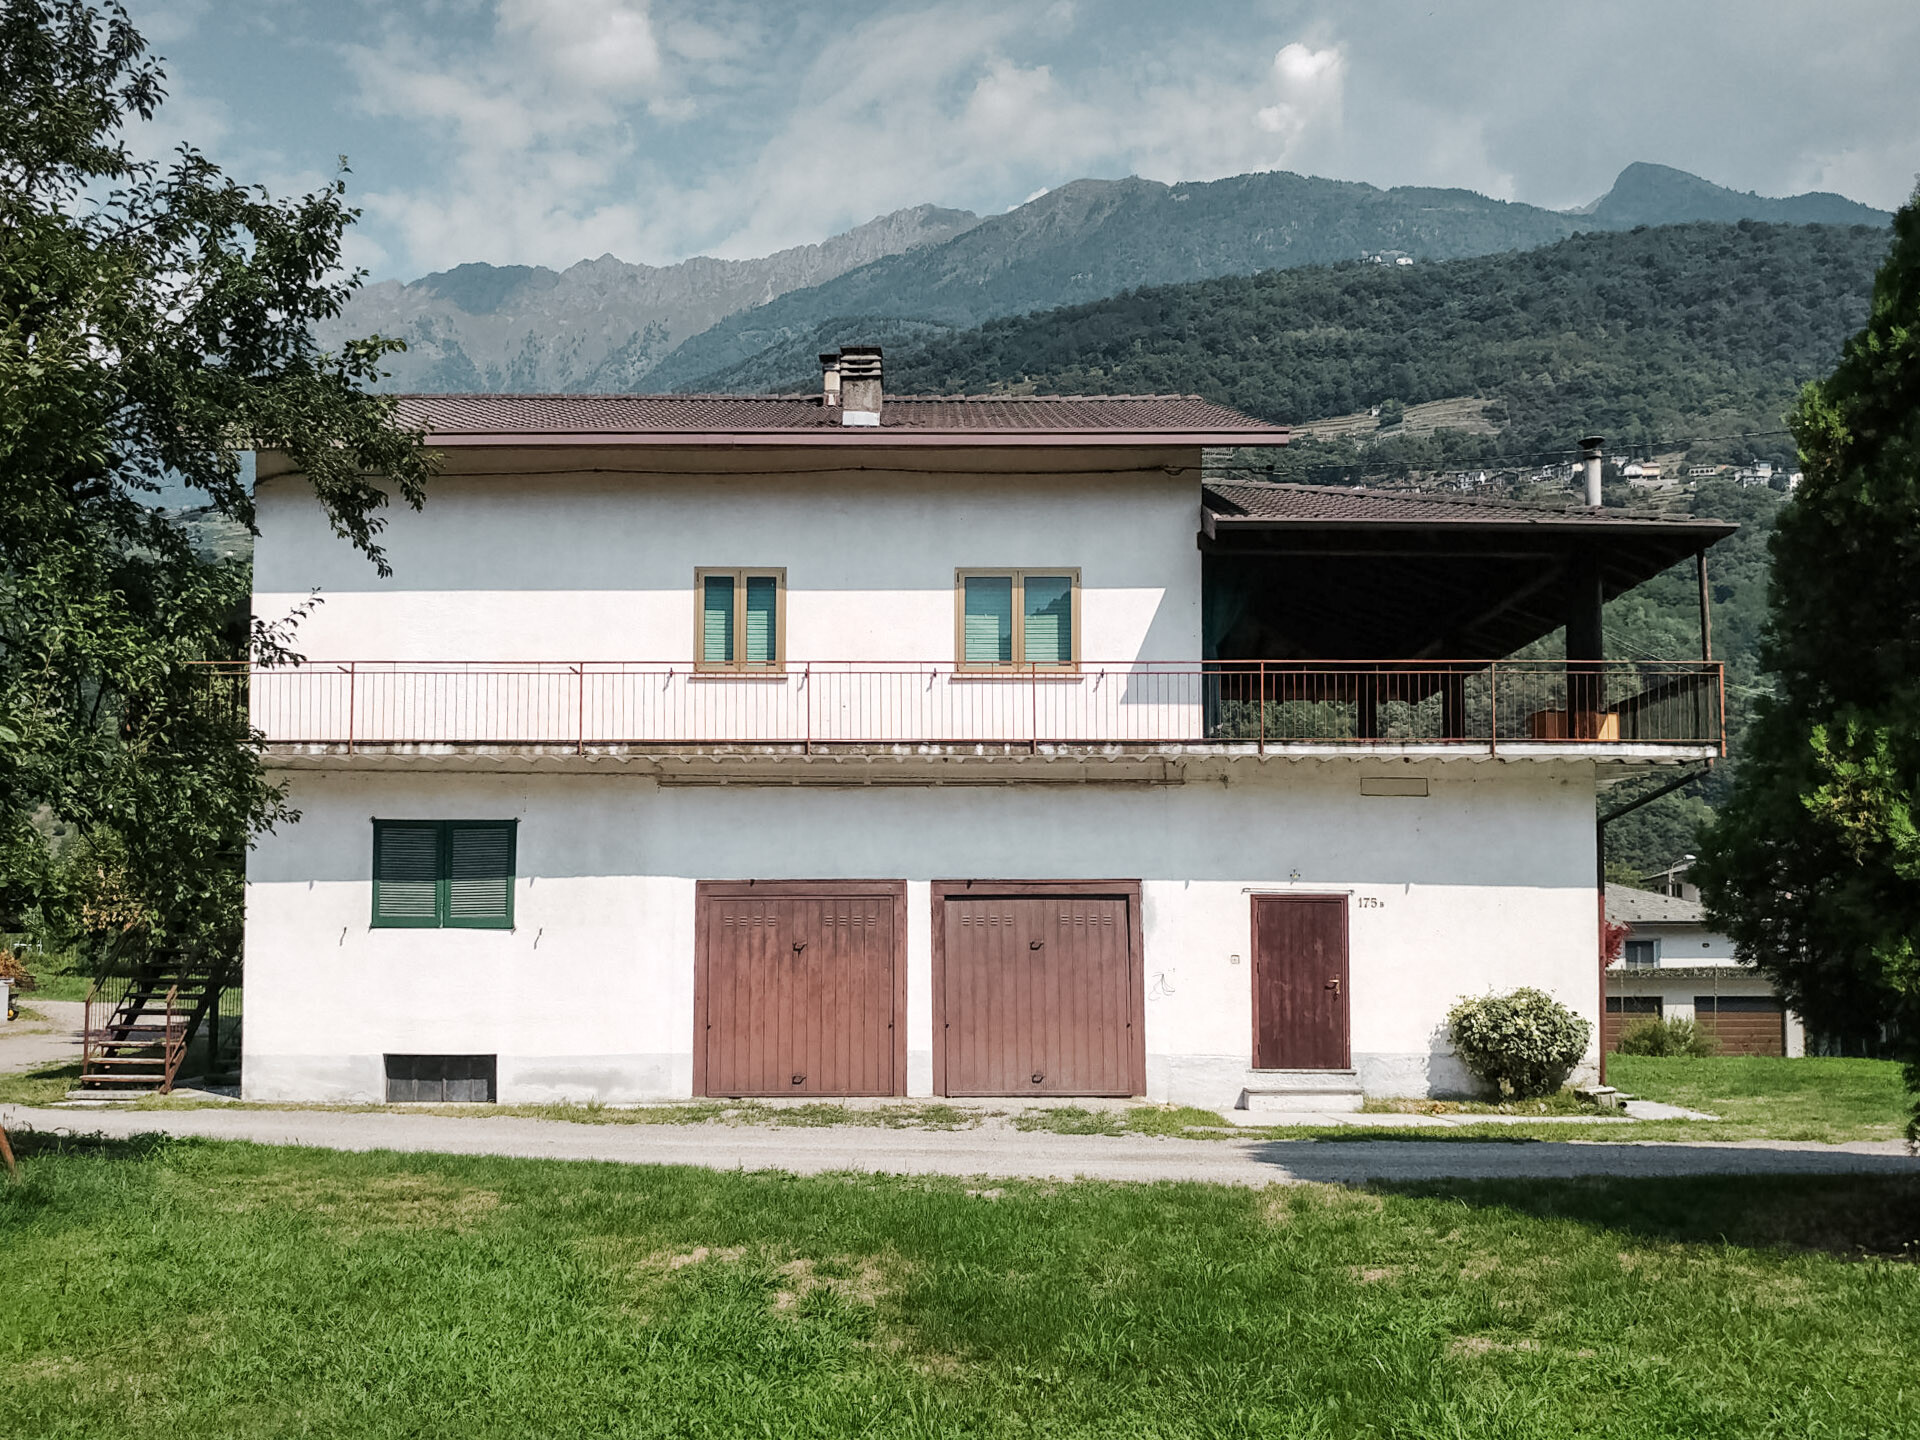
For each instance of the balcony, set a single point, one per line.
(1620, 710)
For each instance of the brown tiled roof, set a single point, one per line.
(781, 419)
(1272, 503)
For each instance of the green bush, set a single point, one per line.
(1674, 1035)
(1522, 1043)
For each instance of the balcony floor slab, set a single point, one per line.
(921, 764)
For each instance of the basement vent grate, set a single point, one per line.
(441, 1078)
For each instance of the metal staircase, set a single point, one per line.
(138, 1027)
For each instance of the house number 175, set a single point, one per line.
(1369, 902)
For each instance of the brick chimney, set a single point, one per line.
(860, 391)
(830, 379)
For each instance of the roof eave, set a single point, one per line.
(869, 436)
(1718, 529)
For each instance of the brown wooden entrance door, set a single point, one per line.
(1038, 994)
(799, 990)
(1300, 982)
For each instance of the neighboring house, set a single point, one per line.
(848, 744)
(1673, 965)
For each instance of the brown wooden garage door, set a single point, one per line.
(800, 988)
(1623, 1012)
(1037, 990)
(1743, 1024)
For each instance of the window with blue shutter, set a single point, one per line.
(741, 614)
(762, 595)
(443, 873)
(1018, 619)
(987, 637)
(1046, 620)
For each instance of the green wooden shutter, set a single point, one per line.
(406, 873)
(716, 621)
(1047, 620)
(763, 642)
(479, 874)
(987, 621)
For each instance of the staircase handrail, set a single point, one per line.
(173, 1043)
(88, 1033)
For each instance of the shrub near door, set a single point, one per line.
(1522, 1043)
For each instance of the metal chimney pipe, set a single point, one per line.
(1590, 448)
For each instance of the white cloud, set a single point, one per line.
(1309, 85)
(602, 45)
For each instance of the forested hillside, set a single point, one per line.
(1647, 336)
(1093, 238)
(1690, 340)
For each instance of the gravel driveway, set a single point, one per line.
(994, 1149)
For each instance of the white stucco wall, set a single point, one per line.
(1687, 944)
(559, 558)
(1487, 883)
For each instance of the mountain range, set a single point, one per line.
(704, 324)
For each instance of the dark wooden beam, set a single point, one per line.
(1585, 596)
(1706, 610)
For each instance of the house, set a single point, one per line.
(1673, 965)
(852, 744)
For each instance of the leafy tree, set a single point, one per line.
(1814, 866)
(154, 322)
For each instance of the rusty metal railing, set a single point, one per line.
(358, 704)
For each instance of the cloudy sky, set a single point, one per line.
(547, 131)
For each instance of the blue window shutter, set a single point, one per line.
(716, 621)
(763, 640)
(406, 873)
(987, 621)
(480, 874)
(1047, 620)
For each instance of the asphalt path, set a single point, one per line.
(994, 1149)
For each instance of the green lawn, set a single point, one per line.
(50, 985)
(179, 1289)
(1755, 1098)
(1809, 1099)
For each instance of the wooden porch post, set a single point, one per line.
(1706, 608)
(1585, 642)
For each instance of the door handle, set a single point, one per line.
(1035, 944)
(798, 946)
(1334, 985)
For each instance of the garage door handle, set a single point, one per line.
(1334, 984)
(799, 1079)
(798, 946)
(1038, 1077)
(1035, 944)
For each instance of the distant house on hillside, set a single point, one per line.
(1674, 965)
